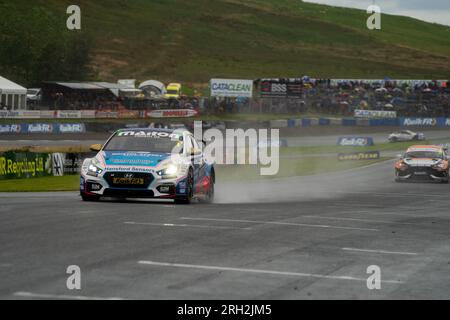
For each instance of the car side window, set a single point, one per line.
(187, 144)
(195, 144)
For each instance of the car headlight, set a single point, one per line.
(441, 166)
(93, 170)
(170, 171)
(402, 165)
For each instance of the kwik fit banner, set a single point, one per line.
(24, 165)
(52, 128)
(355, 141)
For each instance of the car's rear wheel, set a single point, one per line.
(209, 197)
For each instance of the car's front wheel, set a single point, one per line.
(189, 192)
(90, 198)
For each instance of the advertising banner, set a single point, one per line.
(39, 128)
(175, 113)
(371, 114)
(106, 114)
(71, 128)
(129, 114)
(356, 156)
(68, 114)
(231, 88)
(42, 128)
(10, 128)
(281, 88)
(355, 141)
(20, 114)
(88, 114)
(48, 114)
(58, 160)
(426, 122)
(24, 165)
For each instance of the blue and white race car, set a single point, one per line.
(148, 163)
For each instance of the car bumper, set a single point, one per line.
(424, 174)
(157, 188)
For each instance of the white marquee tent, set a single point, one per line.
(12, 95)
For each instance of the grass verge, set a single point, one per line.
(288, 168)
(66, 183)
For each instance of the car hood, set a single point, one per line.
(132, 159)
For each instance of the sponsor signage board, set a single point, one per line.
(371, 114)
(71, 114)
(20, 114)
(232, 88)
(281, 88)
(355, 141)
(424, 122)
(88, 114)
(48, 128)
(39, 128)
(71, 128)
(172, 113)
(24, 165)
(356, 156)
(10, 128)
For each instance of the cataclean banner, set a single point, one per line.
(24, 165)
(234, 88)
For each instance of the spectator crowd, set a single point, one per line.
(412, 98)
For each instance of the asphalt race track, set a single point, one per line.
(299, 238)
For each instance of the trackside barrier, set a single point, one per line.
(279, 123)
(349, 122)
(28, 165)
(187, 113)
(48, 128)
(324, 122)
(24, 165)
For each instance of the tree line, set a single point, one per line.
(35, 45)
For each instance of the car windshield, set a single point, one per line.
(32, 91)
(172, 91)
(144, 144)
(425, 154)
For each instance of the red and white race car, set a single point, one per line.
(423, 163)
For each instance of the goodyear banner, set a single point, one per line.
(356, 156)
(355, 141)
(24, 165)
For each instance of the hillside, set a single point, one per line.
(192, 41)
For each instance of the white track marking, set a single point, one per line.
(280, 223)
(356, 220)
(5, 265)
(382, 213)
(258, 271)
(182, 225)
(381, 251)
(385, 194)
(59, 297)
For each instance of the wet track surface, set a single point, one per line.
(299, 238)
